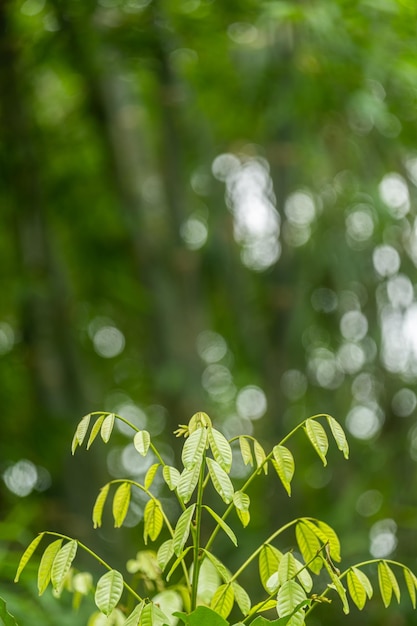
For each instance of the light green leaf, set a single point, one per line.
(269, 560)
(188, 482)
(365, 582)
(150, 475)
(107, 427)
(109, 591)
(165, 553)
(168, 601)
(99, 505)
(260, 456)
(326, 534)
(95, 430)
(171, 476)
(241, 501)
(80, 432)
(194, 448)
(121, 503)
(387, 583)
(284, 466)
(318, 438)
(287, 568)
(242, 598)
(223, 599)
(220, 448)
(153, 520)
(133, 619)
(339, 436)
(245, 450)
(222, 569)
(411, 582)
(303, 576)
(309, 546)
(221, 481)
(45, 566)
(153, 616)
(142, 441)
(177, 561)
(356, 589)
(337, 585)
(26, 555)
(225, 527)
(182, 529)
(62, 564)
(208, 581)
(290, 595)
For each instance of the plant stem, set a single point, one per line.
(196, 536)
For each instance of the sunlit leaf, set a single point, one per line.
(95, 430)
(177, 561)
(133, 619)
(62, 564)
(99, 505)
(187, 482)
(245, 450)
(45, 566)
(339, 436)
(80, 432)
(387, 583)
(242, 598)
(209, 580)
(109, 591)
(153, 520)
(269, 560)
(290, 595)
(365, 582)
(194, 448)
(309, 546)
(327, 534)
(165, 553)
(318, 438)
(303, 576)
(284, 466)
(182, 529)
(150, 475)
(220, 448)
(121, 503)
(221, 481)
(223, 599)
(225, 527)
(241, 501)
(222, 569)
(411, 582)
(26, 555)
(338, 586)
(142, 441)
(107, 427)
(356, 589)
(260, 456)
(171, 476)
(287, 568)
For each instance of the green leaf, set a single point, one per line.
(99, 505)
(287, 568)
(269, 560)
(194, 448)
(241, 501)
(121, 503)
(387, 583)
(356, 589)
(62, 564)
(165, 553)
(339, 436)
(171, 476)
(107, 427)
(95, 430)
(153, 520)
(223, 599)
(142, 441)
(290, 595)
(309, 546)
(318, 438)
(45, 566)
(209, 580)
(411, 582)
(225, 527)
(177, 561)
(6, 618)
(153, 616)
(202, 616)
(133, 619)
(262, 621)
(221, 481)
(150, 475)
(245, 450)
(284, 466)
(366, 583)
(220, 448)
(80, 432)
(26, 555)
(327, 534)
(303, 576)
(188, 482)
(222, 569)
(242, 598)
(109, 591)
(337, 585)
(260, 456)
(182, 529)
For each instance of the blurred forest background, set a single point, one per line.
(208, 205)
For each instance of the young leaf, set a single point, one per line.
(242, 598)
(339, 436)
(309, 546)
(337, 584)
(45, 566)
(222, 570)
(194, 447)
(182, 529)
(26, 555)
(62, 564)
(365, 582)
(165, 553)
(220, 448)
(107, 427)
(150, 475)
(178, 561)
(411, 582)
(188, 482)
(387, 583)
(284, 466)
(287, 568)
(269, 560)
(80, 432)
(109, 591)
(245, 450)
(171, 476)
(121, 503)
(142, 441)
(290, 595)
(99, 505)
(303, 576)
(153, 616)
(153, 520)
(134, 617)
(208, 581)
(223, 600)
(356, 589)
(221, 481)
(225, 527)
(318, 438)
(260, 456)
(241, 501)
(326, 534)
(95, 430)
